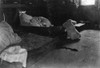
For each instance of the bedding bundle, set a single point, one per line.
(11, 53)
(38, 21)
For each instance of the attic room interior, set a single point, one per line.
(49, 33)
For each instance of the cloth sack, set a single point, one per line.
(15, 54)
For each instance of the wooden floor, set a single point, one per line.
(87, 56)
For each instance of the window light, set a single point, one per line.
(87, 2)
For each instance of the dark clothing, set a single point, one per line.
(46, 31)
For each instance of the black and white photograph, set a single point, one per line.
(49, 33)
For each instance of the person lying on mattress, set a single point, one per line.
(42, 25)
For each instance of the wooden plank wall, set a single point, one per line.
(1, 12)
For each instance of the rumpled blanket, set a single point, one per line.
(28, 20)
(7, 36)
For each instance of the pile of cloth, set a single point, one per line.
(15, 54)
(10, 51)
(28, 20)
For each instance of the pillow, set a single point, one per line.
(24, 18)
(7, 36)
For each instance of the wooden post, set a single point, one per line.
(1, 11)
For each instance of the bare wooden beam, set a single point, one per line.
(12, 5)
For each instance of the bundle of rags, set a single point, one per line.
(11, 53)
(28, 20)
